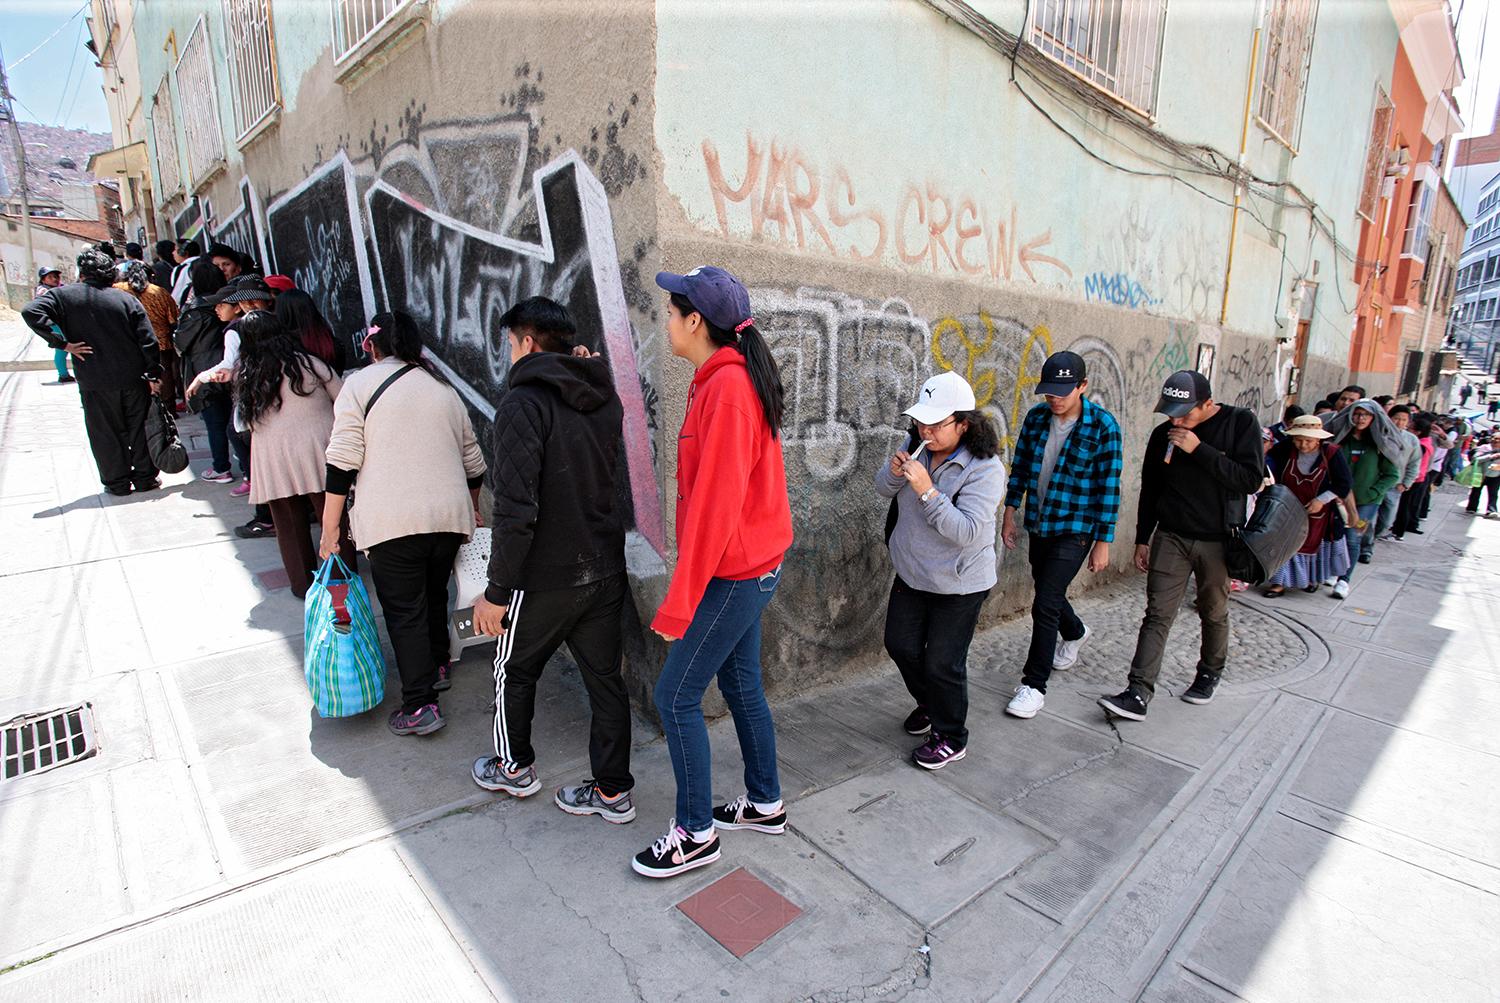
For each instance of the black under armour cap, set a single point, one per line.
(1061, 374)
(1183, 391)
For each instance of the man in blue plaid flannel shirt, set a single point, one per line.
(1067, 470)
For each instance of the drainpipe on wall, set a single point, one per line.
(1234, 218)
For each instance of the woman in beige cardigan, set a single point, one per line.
(285, 397)
(405, 434)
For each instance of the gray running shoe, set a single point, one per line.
(588, 799)
(492, 775)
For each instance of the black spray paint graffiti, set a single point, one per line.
(319, 243)
(457, 280)
(244, 230)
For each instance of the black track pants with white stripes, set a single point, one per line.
(588, 619)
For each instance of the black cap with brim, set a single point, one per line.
(1183, 391)
(1061, 374)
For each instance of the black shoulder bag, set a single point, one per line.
(370, 404)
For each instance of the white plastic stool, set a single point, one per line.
(471, 573)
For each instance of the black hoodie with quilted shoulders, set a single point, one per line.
(556, 449)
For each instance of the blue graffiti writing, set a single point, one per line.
(1117, 288)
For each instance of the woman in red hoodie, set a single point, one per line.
(733, 527)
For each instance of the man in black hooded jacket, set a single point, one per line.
(114, 358)
(557, 556)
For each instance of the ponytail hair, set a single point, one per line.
(398, 337)
(765, 376)
(980, 438)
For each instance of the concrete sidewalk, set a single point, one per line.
(1325, 829)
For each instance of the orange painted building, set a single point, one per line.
(1410, 137)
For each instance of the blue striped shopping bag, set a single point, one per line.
(344, 666)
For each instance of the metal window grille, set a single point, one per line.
(200, 105)
(1419, 213)
(164, 132)
(1286, 54)
(1113, 44)
(1411, 371)
(34, 743)
(355, 21)
(1380, 138)
(252, 63)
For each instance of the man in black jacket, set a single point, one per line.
(1200, 467)
(114, 356)
(557, 557)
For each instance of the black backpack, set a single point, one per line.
(1275, 533)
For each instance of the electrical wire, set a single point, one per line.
(62, 93)
(37, 48)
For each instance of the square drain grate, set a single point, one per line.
(34, 743)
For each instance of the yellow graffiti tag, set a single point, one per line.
(984, 383)
(1025, 382)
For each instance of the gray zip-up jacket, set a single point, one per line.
(947, 544)
(1413, 465)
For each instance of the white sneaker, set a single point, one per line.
(1341, 589)
(1026, 702)
(1330, 580)
(1066, 655)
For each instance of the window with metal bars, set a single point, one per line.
(1286, 54)
(164, 134)
(252, 63)
(1375, 154)
(356, 21)
(1115, 45)
(200, 105)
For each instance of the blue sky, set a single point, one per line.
(42, 92)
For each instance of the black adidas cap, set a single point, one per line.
(1183, 391)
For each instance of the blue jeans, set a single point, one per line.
(60, 360)
(216, 414)
(724, 641)
(1355, 537)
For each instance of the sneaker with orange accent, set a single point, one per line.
(675, 853)
(588, 799)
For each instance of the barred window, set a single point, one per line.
(1375, 154)
(164, 134)
(200, 106)
(356, 21)
(252, 63)
(1419, 213)
(1286, 54)
(1113, 44)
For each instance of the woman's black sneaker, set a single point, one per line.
(675, 853)
(254, 530)
(917, 722)
(1202, 690)
(1128, 705)
(741, 814)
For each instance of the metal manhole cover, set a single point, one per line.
(35, 743)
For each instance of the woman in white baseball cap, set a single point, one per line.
(945, 494)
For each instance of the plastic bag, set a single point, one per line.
(343, 663)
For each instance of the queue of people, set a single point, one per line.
(255, 358)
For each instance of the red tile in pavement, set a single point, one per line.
(273, 580)
(740, 911)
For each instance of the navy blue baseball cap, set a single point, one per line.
(1061, 374)
(720, 297)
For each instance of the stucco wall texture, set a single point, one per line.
(894, 206)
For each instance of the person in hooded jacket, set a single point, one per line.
(1372, 447)
(117, 365)
(557, 557)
